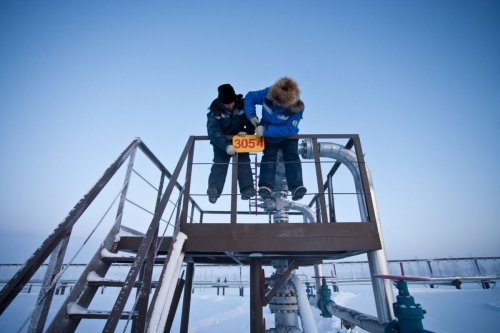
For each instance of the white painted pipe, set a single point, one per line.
(366, 322)
(161, 307)
(305, 312)
(308, 212)
(377, 259)
(310, 217)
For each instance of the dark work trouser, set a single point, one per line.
(293, 167)
(218, 172)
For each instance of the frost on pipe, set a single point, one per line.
(306, 315)
(165, 294)
(377, 259)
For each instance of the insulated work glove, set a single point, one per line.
(242, 133)
(259, 131)
(230, 150)
(254, 121)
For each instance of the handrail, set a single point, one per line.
(146, 243)
(10, 291)
(319, 197)
(331, 173)
(162, 168)
(16, 284)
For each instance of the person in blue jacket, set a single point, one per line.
(227, 117)
(282, 111)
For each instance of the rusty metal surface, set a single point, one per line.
(186, 304)
(256, 294)
(319, 180)
(234, 193)
(281, 237)
(131, 243)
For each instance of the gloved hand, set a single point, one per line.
(259, 131)
(242, 133)
(230, 150)
(254, 121)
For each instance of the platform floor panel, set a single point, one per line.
(279, 238)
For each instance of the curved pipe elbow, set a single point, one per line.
(304, 209)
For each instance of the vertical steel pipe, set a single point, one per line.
(362, 180)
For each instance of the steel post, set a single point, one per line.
(186, 304)
(256, 291)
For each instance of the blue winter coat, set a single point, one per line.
(278, 122)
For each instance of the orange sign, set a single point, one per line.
(248, 143)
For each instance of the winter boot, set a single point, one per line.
(213, 194)
(247, 193)
(298, 193)
(265, 192)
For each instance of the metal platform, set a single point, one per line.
(225, 242)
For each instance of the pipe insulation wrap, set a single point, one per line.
(304, 209)
(165, 294)
(306, 316)
(366, 322)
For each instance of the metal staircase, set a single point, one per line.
(151, 305)
(147, 248)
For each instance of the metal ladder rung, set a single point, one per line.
(96, 314)
(130, 259)
(75, 311)
(117, 283)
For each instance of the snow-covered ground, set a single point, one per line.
(449, 310)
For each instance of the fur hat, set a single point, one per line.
(226, 93)
(285, 92)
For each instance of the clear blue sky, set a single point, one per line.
(419, 81)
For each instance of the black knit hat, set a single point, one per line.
(226, 94)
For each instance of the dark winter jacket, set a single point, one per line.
(222, 122)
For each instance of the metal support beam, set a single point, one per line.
(48, 287)
(364, 180)
(187, 186)
(175, 303)
(146, 275)
(186, 304)
(331, 199)
(234, 188)
(270, 293)
(256, 288)
(319, 178)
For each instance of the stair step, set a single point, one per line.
(132, 243)
(108, 256)
(77, 312)
(116, 283)
(96, 314)
(130, 260)
(93, 279)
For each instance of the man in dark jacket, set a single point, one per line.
(227, 117)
